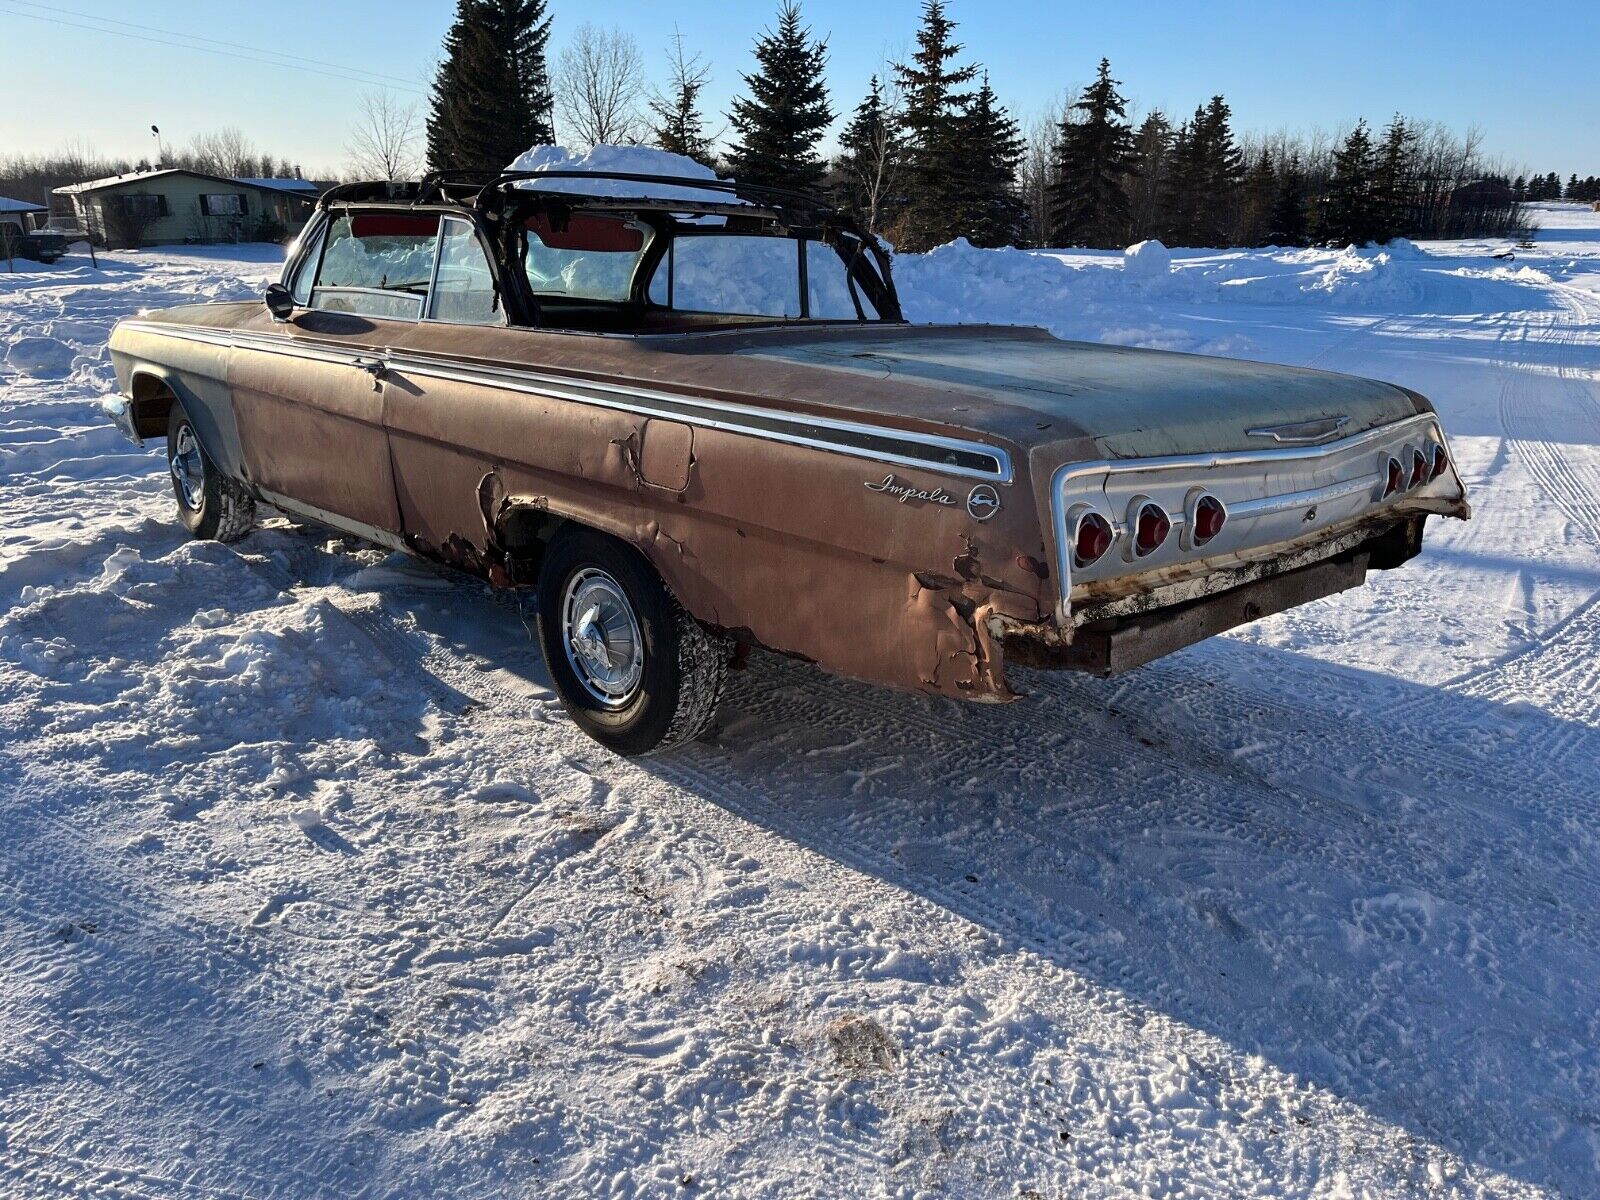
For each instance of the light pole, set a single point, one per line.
(161, 152)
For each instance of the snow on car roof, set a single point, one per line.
(627, 160)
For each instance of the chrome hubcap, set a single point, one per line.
(189, 470)
(600, 634)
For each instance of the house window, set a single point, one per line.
(143, 204)
(222, 205)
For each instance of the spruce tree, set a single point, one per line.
(931, 133)
(678, 127)
(1392, 183)
(1348, 215)
(1552, 186)
(989, 146)
(781, 122)
(869, 159)
(1184, 191)
(1089, 200)
(491, 96)
(1519, 189)
(1287, 224)
(1257, 196)
(1572, 187)
(1152, 146)
(1220, 166)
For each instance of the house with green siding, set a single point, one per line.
(170, 205)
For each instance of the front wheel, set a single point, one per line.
(633, 669)
(211, 506)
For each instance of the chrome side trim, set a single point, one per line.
(1067, 473)
(876, 443)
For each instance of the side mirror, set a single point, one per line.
(280, 301)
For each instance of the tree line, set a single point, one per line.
(930, 153)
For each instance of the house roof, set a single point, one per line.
(7, 204)
(296, 186)
(308, 186)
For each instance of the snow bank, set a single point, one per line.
(629, 160)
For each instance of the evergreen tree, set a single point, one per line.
(491, 96)
(1392, 183)
(1519, 189)
(1152, 146)
(1348, 214)
(1184, 192)
(679, 128)
(931, 133)
(1220, 165)
(1287, 224)
(1552, 186)
(781, 122)
(869, 159)
(1572, 187)
(1089, 200)
(1258, 195)
(989, 148)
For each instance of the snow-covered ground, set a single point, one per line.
(308, 889)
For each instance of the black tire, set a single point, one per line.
(682, 666)
(211, 506)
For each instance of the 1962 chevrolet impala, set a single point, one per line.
(691, 414)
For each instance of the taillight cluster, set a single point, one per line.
(1423, 466)
(1148, 528)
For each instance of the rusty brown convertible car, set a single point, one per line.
(691, 414)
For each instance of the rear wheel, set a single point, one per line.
(633, 669)
(211, 506)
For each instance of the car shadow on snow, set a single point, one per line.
(1386, 890)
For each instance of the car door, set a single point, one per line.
(440, 427)
(310, 392)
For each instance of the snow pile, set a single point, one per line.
(1146, 260)
(628, 160)
(40, 356)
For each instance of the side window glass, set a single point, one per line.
(733, 273)
(301, 286)
(828, 285)
(463, 288)
(378, 264)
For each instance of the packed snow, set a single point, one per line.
(309, 889)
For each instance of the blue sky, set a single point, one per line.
(1524, 76)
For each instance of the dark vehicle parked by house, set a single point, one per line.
(691, 414)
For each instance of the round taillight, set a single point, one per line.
(1150, 529)
(1419, 469)
(1209, 517)
(1396, 478)
(1092, 540)
(1441, 463)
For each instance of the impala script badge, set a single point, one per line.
(905, 492)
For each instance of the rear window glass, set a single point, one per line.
(732, 273)
(586, 257)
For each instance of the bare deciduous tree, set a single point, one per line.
(224, 151)
(383, 143)
(598, 85)
(1038, 172)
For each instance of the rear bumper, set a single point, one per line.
(1113, 644)
(118, 410)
